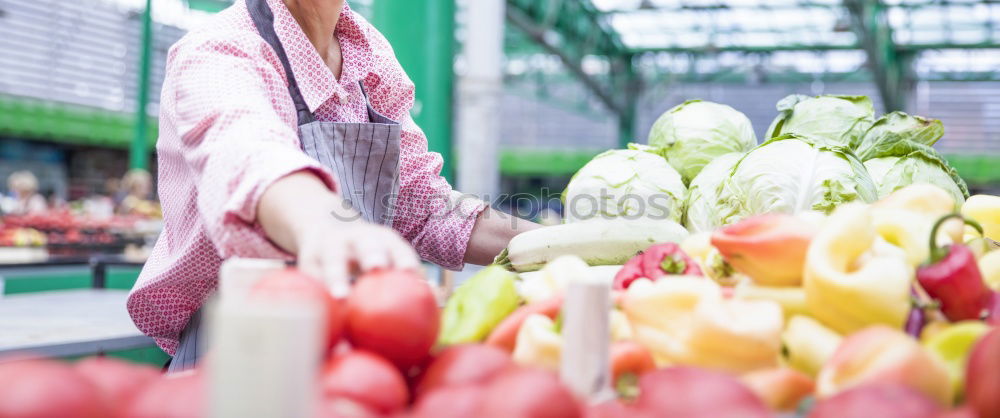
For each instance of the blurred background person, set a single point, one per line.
(138, 188)
(24, 197)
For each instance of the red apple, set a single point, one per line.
(697, 393)
(781, 388)
(880, 354)
(877, 400)
(982, 376)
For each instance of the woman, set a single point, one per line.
(285, 132)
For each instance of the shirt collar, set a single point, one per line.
(316, 82)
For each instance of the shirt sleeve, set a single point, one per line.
(436, 219)
(237, 136)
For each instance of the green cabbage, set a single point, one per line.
(703, 194)
(908, 162)
(895, 127)
(695, 132)
(791, 174)
(627, 183)
(478, 305)
(841, 120)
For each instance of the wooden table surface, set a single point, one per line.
(68, 323)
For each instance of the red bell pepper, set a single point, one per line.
(952, 277)
(657, 261)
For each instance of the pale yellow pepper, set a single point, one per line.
(905, 217)
(989, 266)
(853, 278)
(685, 320)
(791, 299)
(808, 344)
(539, 343)
(984, 209)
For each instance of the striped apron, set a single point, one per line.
(364, 156)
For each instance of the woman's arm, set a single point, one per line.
(258, 194)
(492, 233)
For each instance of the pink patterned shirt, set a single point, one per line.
(228, 130)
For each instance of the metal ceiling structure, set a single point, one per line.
(895, 41)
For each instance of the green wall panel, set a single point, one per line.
(63, 278)
(35, 119)
(422, 34)
(56, 281)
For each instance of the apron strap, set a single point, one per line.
(373, 115)
(263, 19)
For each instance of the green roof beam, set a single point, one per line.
(890, 68)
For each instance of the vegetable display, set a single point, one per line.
(799, 287)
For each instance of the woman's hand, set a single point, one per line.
(330, 239)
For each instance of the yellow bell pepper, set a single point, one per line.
(808, 344)
(905, 218)
(989, 265)
(791, 299)
(984, 209)
(538, 343)
(621, 330)
(551, 280)
(686, 320)
(920, 197)
(853, 278)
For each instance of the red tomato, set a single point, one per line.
(629, 357)
(179, 395)
(877, 400)
(450, 402)
(697, 393)
(505, 333)
(118, 381)
(45, 389)
(291, 285)
(528, 393)
(393, 313)
(470, 364)
(367, 379)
